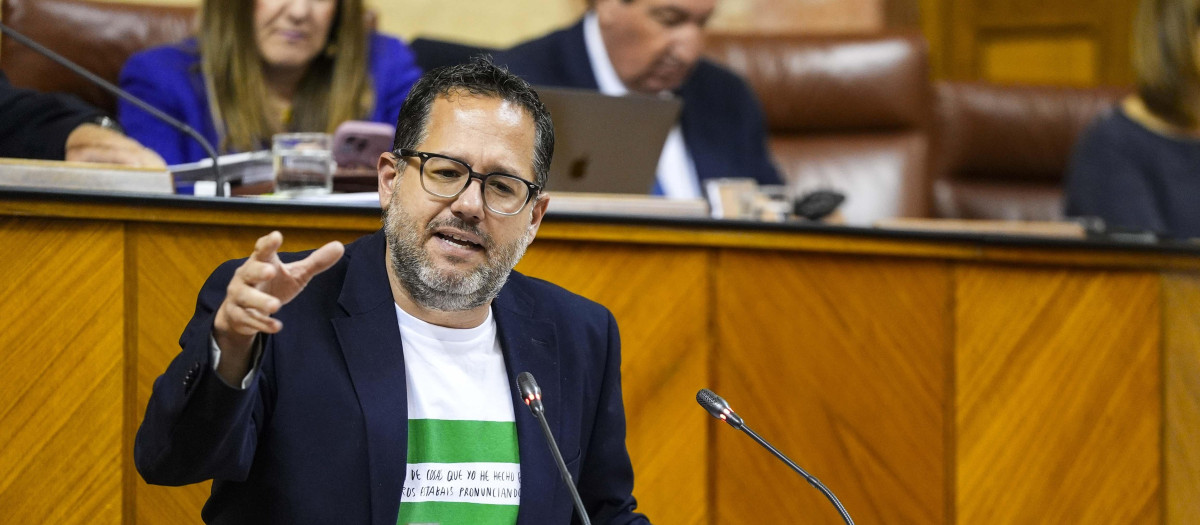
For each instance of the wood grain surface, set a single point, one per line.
(61, 371)
(841, 363)
(1181, 331)
(1058, 396)
(924, 380)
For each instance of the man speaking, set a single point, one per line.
(374, 383)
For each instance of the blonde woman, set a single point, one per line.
(1138, 166)
(261, 67)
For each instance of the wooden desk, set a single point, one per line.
(925, 378)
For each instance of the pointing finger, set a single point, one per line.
(317, 261)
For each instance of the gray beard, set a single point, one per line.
(441, 291)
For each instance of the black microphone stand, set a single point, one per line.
(108, 86)
(811, 480)
(719, 408)
(532, 394)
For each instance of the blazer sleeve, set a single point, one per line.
(156, 77)
(394, 70)
(36, 125)
(606, 476)
(196, 427)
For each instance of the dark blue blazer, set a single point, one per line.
(320, 436)
(722, 122)
(36, 125)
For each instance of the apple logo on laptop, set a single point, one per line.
(578, 168)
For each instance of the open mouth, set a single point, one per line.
(458, 241)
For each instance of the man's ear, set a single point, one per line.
(388, 176)
(539, 210)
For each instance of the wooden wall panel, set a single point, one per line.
(665, 351)
(846, 360)
(172, 263)
(1181, 353)
(1066, 60)
(1057, 42)
(61, 371)
(1058, 396)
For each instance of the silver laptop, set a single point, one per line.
(607, 144)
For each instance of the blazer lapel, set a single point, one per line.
(370, 342)
(529, 345)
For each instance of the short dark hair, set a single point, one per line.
(478, 77)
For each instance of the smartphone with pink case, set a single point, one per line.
(358, 143)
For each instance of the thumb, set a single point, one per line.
(318, 261)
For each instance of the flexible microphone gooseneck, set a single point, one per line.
(719, 408)
(532, 395)
(108, 86)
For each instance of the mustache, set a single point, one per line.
(459, 224)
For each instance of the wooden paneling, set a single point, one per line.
(842, 363)
(172, 263)
(923, 379)
(1058, 42)
(660, 299)
(1181, 312)
(1058, 396)
(61, 371)
(1067, 60)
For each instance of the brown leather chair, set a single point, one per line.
(1001, 152)
(97, 35)
(845, 112)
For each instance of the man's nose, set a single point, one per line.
(469, 206)
(687, 43)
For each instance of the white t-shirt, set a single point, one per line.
(463, 461)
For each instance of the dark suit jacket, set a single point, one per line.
(321, 434)
(722, 122)
(36, 125)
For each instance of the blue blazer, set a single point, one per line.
(320, 436)
(169, 78)
(722, 122)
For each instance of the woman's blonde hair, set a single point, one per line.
(335, 88)
(1165, 59)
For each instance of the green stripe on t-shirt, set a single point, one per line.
(455, 441)
(448, 513)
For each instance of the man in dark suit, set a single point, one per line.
(373, 383)
(50, 126)
(654, 47)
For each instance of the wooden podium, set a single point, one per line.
(937, 378)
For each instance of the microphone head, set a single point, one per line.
(718, 407)
(530, 392)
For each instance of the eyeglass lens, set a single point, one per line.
(502, 193)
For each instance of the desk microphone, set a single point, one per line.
(532, 395)
(108, 86)
(719, 408)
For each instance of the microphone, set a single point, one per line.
(532, 395)
(108, 86)
(719, 408)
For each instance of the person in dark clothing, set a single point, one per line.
(654, 47)
(1137, 167)
(51, 126)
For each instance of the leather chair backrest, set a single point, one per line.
(1001, 152)
(96, 35)
(844, 112)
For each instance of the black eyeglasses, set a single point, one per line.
(448, 177)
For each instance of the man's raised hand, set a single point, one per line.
(259, 288)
